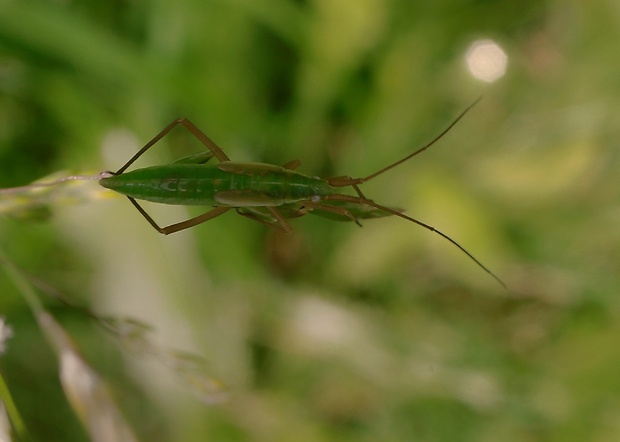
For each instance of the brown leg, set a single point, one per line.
(188, 125)
(336, 210)
(177, 227)
(344, 181)
(282, 225)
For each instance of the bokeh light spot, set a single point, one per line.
(486, 60)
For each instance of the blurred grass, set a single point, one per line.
(333, 332)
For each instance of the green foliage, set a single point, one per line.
(333, 332)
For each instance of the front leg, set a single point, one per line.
(177, 227)
(189, 126)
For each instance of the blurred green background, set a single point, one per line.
(332, 333)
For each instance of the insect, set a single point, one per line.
(265, 193)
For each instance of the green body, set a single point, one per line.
(261, 192)
(229, 183)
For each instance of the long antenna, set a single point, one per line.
(361, 200)
(422, 149)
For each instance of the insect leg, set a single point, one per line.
(286, 227)
(333, 209)
(189, 126)
(282, 225)
(183, 224)
(203, 138)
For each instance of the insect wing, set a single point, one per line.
(245, 198)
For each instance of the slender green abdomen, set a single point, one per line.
(244, 184)
(169, 184)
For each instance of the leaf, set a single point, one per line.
(86, 391)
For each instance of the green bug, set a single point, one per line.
(265, 193)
